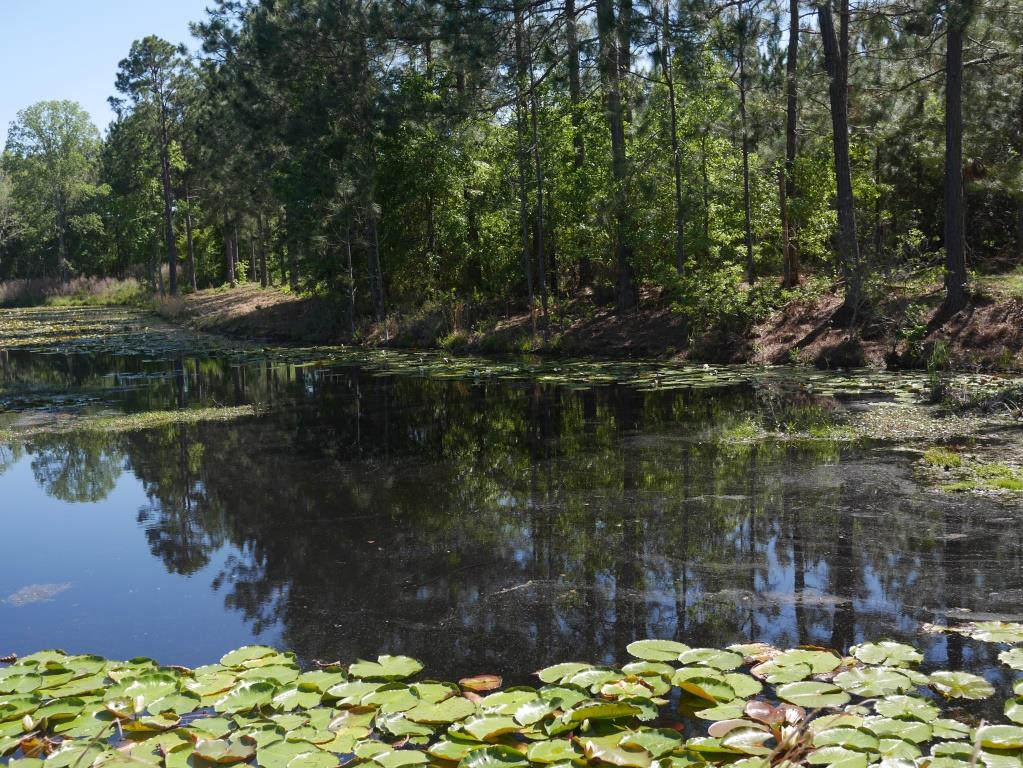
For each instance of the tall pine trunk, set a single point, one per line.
(791, 259)
(676, 151)
(751, 274)
(520, 131)
(955, 247)
(575, 101)
(848, 248)
(168, 201)
(611, 37)
(541, 250)
(189, 240)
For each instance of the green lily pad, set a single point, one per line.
(279, 754)
(997, 632)
(648, 668)
(399, 758)
(600, 710)
(608, 750)
(657, 650)
(453, 749)
(386, 668)
(393, 697)
(1014, 710)
(812, 695)
(246, 696)
(224, 751)
(777, 674)
(275, 673)
(494, 757)
(961, 685)
(851, 738)
(180, 703)
(313, 759)
(838, 757)
(293, 697)
(943, 728)
(887, 653)
(1000, 736)
(907, 707)
(658, 742)
(487, 727)
(554, 751)
(871, 682)
(442, 713)
(560, 672)
(1013, 658)
(712, 657)
(239, 657)
(907, 730)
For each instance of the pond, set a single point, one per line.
(476, 522)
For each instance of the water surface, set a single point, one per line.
(479, 525)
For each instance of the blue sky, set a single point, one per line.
(69, 49)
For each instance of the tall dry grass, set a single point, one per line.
(77, 291)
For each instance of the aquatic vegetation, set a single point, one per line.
(672, 706)
(124, 422)
(958, 473)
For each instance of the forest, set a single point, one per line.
(718, 157)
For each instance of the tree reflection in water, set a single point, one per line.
(507, 526)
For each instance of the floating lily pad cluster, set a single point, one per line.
(128, 331)
(672, 706)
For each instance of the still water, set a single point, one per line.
(477, 525)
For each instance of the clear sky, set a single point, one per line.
(69, 49)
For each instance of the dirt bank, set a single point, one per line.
(988, 334)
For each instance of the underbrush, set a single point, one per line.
(77, 292)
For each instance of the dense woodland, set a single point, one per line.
(719, 155)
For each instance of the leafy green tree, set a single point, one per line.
(52, 158)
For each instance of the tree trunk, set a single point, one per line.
(235, 258)
(520, 130)
(955, 247)
(264, 277)
(848, 247)
(791, 265)
(190, 242)
(351, 281)
(541, 250)
(168, 201)
(229, 250)
(575, 101)
(676, 152)
(751, 275)
(611, 73)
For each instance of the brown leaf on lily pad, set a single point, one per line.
(480, 683)
(764, 712)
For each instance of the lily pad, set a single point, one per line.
(887, 653)
(246, 696)
(657, 650)
(1000, 736)
(386, 668)
(813, 695)
(961, 685)
(712, 657)
(494, 757)
(871, 682)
